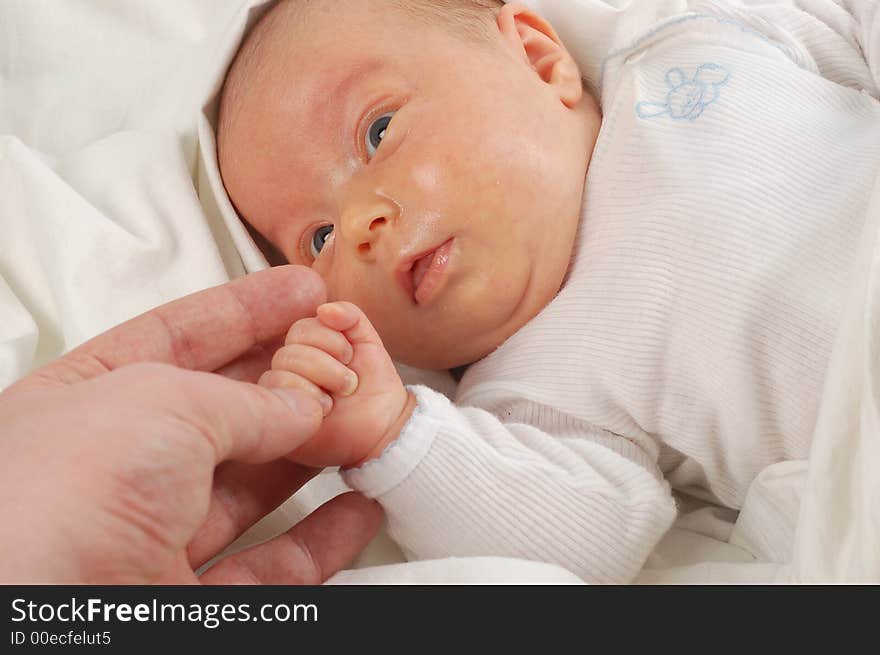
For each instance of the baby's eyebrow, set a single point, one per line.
(329, 98)
(353, 77)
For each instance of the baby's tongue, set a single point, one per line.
(420, 268)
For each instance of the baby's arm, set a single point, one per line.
(460, 482)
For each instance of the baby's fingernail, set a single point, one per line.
(326, 403)
(348, 355)
(351, 384)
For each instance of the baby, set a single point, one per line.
(646, 290)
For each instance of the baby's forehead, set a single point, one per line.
(380, 28)
(303, 61)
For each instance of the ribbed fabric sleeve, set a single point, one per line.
(459, 481)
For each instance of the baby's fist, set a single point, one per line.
(339, 358)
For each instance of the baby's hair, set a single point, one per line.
(470, 18)
(467, 17)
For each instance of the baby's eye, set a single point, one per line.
(377, 132)
(319, 238)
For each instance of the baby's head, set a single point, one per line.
(426, 158)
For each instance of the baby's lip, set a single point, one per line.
(413, 269)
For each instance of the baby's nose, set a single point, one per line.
(364, 229)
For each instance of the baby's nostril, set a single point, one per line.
(377, 222)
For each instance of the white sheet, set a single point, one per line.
(110, 204)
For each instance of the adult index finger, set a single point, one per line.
(203, 331)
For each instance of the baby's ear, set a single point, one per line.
(533, 39)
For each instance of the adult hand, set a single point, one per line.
(145, 452)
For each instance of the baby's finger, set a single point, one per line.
(350, 319)
(288, 380)
(311, 332)
(317, 366)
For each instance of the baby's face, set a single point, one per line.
(435, 183)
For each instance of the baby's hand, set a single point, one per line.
(339, 358)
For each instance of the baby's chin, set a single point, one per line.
(467, 347)
(442, 361)
(448, 355)
(485, 321)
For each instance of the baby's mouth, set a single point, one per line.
(420, 268)
(428, 273)
(423, 277)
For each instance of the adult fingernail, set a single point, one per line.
(351, 384)
(300, 402)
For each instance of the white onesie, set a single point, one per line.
(723, 208)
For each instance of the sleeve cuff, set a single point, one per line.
(397, 461)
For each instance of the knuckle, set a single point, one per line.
(294, 333)
(332, 337)
(300, 330)
(297, 358)
(282, 379)
(270, 379)
(310, 569)
(279, 359)
(286, 358)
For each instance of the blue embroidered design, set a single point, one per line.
(687, 99)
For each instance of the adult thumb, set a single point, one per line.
(240, 421)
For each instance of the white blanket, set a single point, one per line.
(110, 204)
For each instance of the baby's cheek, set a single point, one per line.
(322, 266)
(335, 291)
(334, 278)
(451, 193)
(440, 173)
(426, 177)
